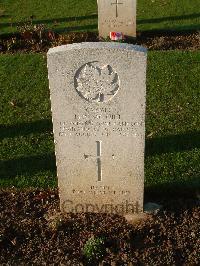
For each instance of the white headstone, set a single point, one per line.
(98, 108)
(117, 16)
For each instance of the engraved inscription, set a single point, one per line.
(90, 128)
(102, 190)
(96, 83)
(99, 122)
(117, 23)
(95, 190)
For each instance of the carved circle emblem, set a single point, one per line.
(96, 83)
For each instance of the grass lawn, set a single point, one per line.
(172, 122)
(81, 15)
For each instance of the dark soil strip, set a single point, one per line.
(37, 40)
(170, 40)
(32, 232)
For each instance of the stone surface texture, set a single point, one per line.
(98, 106)
(152, 208)
(117, 16)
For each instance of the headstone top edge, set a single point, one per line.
(98, 45)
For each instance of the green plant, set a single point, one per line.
(94, 249)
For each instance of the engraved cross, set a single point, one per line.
(98, 157)
(116, 4)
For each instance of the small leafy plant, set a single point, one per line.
(94, 249)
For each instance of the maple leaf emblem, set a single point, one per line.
(96, 83)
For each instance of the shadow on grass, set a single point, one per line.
(27, 165)
(50, 21)
(174, 143)
(174, 190)
(175, 30)
(23, 129)
(95, 16)
(172, 18)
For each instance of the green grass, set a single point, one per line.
(26, 139)
(173, 93)
(172, 122)
(81, 15)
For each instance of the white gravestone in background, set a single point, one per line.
(98, 107)
(117, 16)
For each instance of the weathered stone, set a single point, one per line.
(137, 218)
(98, 107)
(152, 208)
(118, 16)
